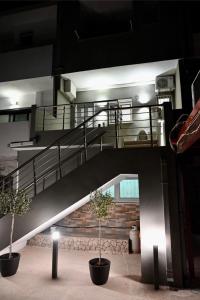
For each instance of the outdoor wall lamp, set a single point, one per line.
(55, 234)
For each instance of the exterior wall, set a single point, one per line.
(27, 63)
(133, 92)
(122, 215)
(44, 97)
(39, 23)
(113, 246)
(188, 69)
(139, 45)
(178, 97)
(17, 101)
(11, 132)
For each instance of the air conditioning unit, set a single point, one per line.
(165, 83)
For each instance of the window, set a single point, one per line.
(20, 117)
(4, 118)
(126, 114)
(129, 189)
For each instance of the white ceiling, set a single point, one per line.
(122, 75)
(26, 86)
(94, 79)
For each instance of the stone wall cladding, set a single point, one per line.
(114, 240)
(112, 246)
(122, 215)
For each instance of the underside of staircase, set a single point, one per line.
(72, 191)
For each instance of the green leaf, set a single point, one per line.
(14, 202)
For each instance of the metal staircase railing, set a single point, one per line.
(52, 163)
(83, 142)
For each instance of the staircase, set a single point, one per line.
(60, 178)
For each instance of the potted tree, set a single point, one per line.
(13, 203)
(100, 205)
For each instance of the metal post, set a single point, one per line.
(33, 126)
(150, 123)
(44, 118)
(156, 267)
(168, 121)
(108, 112)
(34, 178)
(116, 128)
(101, 144)
(59, 161)
(64, 117)
(85, 142)
(93, 115)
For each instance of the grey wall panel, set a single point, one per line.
(11, 132)
(27, 63)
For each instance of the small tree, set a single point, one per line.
(100, 206)
(13, 203)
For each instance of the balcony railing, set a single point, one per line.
(125, 125)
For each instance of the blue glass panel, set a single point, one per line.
(129, 188)
(111, 191)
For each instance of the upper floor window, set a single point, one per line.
(127, 190)
(7, 116)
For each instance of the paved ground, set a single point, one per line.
(33, 280)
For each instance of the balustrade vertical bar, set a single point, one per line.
(34, 178)
(59, 161)
(64, 117)
(101, 144)
(150, 124)
(85, 142)
(116, 129)
(108, 114)
(84, 116)
(33, 125)
(44, 112)
(93, 114)
(168, 121)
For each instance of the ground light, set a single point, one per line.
(55, 234)
(156, 267)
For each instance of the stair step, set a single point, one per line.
(112, 246)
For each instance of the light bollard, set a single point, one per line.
(55, 237)
(156, 267)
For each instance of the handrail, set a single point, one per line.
(99, 101)
(53, 169)
(71, 137)
(52, 144)
(72, 130)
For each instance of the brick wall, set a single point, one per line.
(122, 215)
